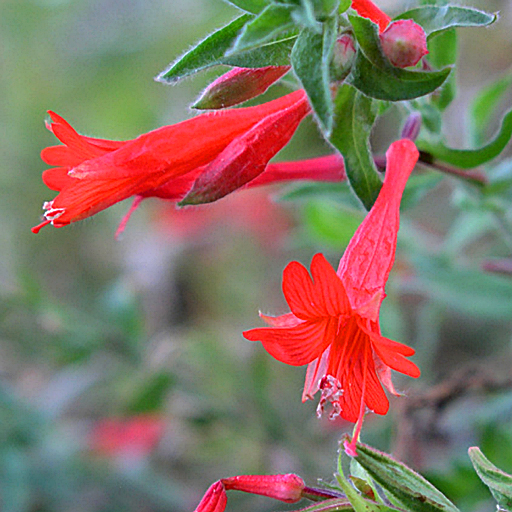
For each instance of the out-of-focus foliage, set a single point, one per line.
(94, 328)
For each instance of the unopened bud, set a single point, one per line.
(287, 488)
(239, 85)
(412, 127)
(342, 57)
(404, 43)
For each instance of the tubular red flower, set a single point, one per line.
(93, 174)
(333, 326)
(287, 488)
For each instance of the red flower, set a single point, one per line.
(224, 150)
(334, 321)
(287, 488)
(136, 436)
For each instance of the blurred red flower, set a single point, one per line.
(334, 321)
(135, 436)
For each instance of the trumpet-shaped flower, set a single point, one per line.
(223, 150)
(333, 326)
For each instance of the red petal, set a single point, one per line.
(297, 345)
(57, 178)
(368, 9)
(365, 266)
(392, 354)
(324, 297)
(214, 500)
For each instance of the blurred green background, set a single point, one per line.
(149, 326)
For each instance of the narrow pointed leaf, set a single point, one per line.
(375, 76)
(254, 6)
(435, 18)
(275, 53)
(499, 482)
(334, 505)
(354, 116)
(404, 487)
(485, 105)
(206, 53)
(469, 158)
(311, 58)
(273, 21)
(358, 502)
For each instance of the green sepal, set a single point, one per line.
(435, 18)
(499, 482)
(252, 6)
(470, 158)
(206, 53)
(311, 58)
(273, 21)
(375, 76)
(404, 487)
(354, 116)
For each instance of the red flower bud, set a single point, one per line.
(404, 43)
(239, 85)
(287, 488)
(343, 55)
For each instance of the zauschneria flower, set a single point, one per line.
(222, 150)
(333, 326)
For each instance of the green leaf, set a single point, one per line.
(268, 25)
(499, 482)
(330, 224)
(276, 53)
(206, 53)
(253, 6)
(469, 158)
(443, 52)
(311, 58)
(404, 487)
(334, 505)
(434, 18)
(358, 502)
(354, 116)
(485, 105)
(375, 76)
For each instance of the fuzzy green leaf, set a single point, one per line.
(276, 53)
(253, 6)
(375, 76)
(470, 158)
(311, 58)
(499, 482)
(404, 487)
(206, 53)
(273, 21)
(354, 116)
(435, 18)
(484, 106)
